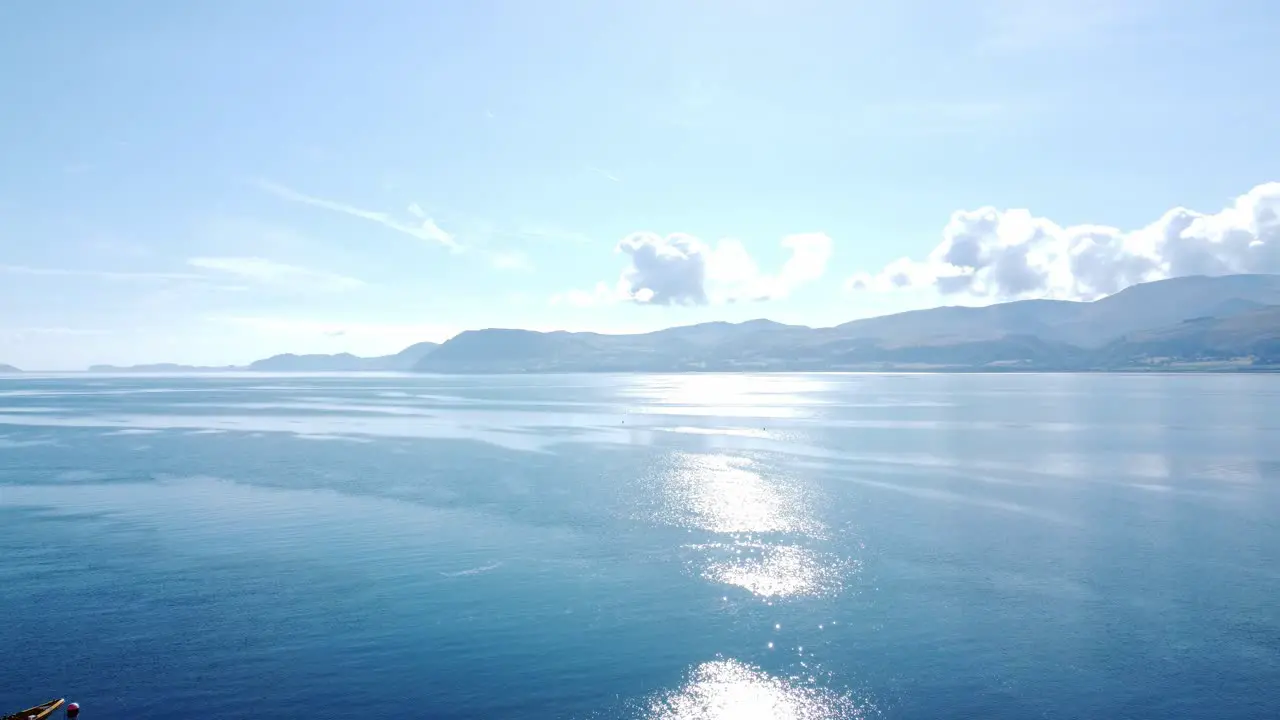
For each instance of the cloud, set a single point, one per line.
(1009, 254)
(669, 270)
(424, 229)
(268, 272)
(680, 269)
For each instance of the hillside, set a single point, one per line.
(1030, 334)
(1086, 324)
(1254, 334)
(8, 369)
(159, 368)
(344, 362)
(1167, 324)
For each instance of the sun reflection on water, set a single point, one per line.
(732, 690)
(765, 525)
(723, 494)
(771, 571)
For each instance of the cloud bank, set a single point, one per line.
(680, 269)
(1007, 254)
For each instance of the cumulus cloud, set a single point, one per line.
(269, 272)
(680, 269)
(1008, 254)
(669, 270)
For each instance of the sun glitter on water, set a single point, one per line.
(772, 571)
(733, 690)
(724, 494)
(765, 522)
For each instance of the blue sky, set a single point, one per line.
(211, 183)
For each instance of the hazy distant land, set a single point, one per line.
(1189, 323)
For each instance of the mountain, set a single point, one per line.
(345, 362)
(408, 357)
(7, 369)
(342, 362)
(1254, 334)
(1085, 324)
(1029, 334)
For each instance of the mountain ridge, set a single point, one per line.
(1195, 322)
(1022, 335)
(344, 362)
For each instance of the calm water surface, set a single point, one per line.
(658, 547)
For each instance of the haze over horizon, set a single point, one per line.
(213, 184)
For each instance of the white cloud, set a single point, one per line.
(809, 255)
(1011, 253)
(424, 229)
(269, 272)
(669, 270)
(680, 269)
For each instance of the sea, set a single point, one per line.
(658, 547)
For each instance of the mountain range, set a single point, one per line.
(345, 362)
(1205, 322)
(1200, 322)
(403, 361)
(5, 369)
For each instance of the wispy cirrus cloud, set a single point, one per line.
(422, 228)
(269, 272)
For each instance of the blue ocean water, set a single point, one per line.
(675, 547)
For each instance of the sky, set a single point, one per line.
(215, 182)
